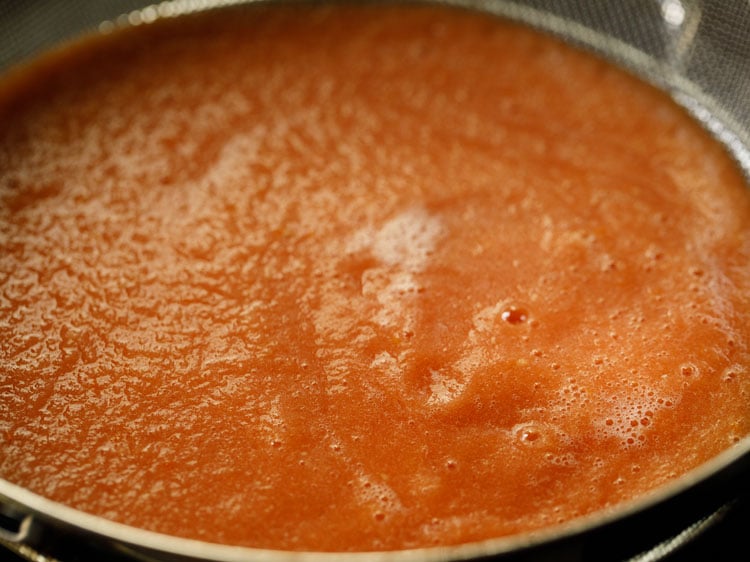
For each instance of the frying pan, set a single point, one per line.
(697, 51)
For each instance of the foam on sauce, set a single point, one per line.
(360, 278)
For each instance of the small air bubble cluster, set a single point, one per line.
(570, 399)
(630, 415)
(378, 497)
(564, 459)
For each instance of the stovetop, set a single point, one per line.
(726, 541)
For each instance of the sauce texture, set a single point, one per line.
(360, 278)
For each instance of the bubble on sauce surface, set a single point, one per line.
(514, 315)
(379, 498)
(530, 433)
(632, 413)
(571, 395)
(566, 459)
(504, 312)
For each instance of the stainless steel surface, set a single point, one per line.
(697, 50)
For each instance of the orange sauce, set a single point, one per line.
(360, 279)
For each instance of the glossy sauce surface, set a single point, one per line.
(360, 279)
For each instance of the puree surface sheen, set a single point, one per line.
(360, 278)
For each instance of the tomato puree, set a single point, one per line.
(360, 278)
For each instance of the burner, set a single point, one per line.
(724, 539)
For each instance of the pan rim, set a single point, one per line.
(50, 512)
